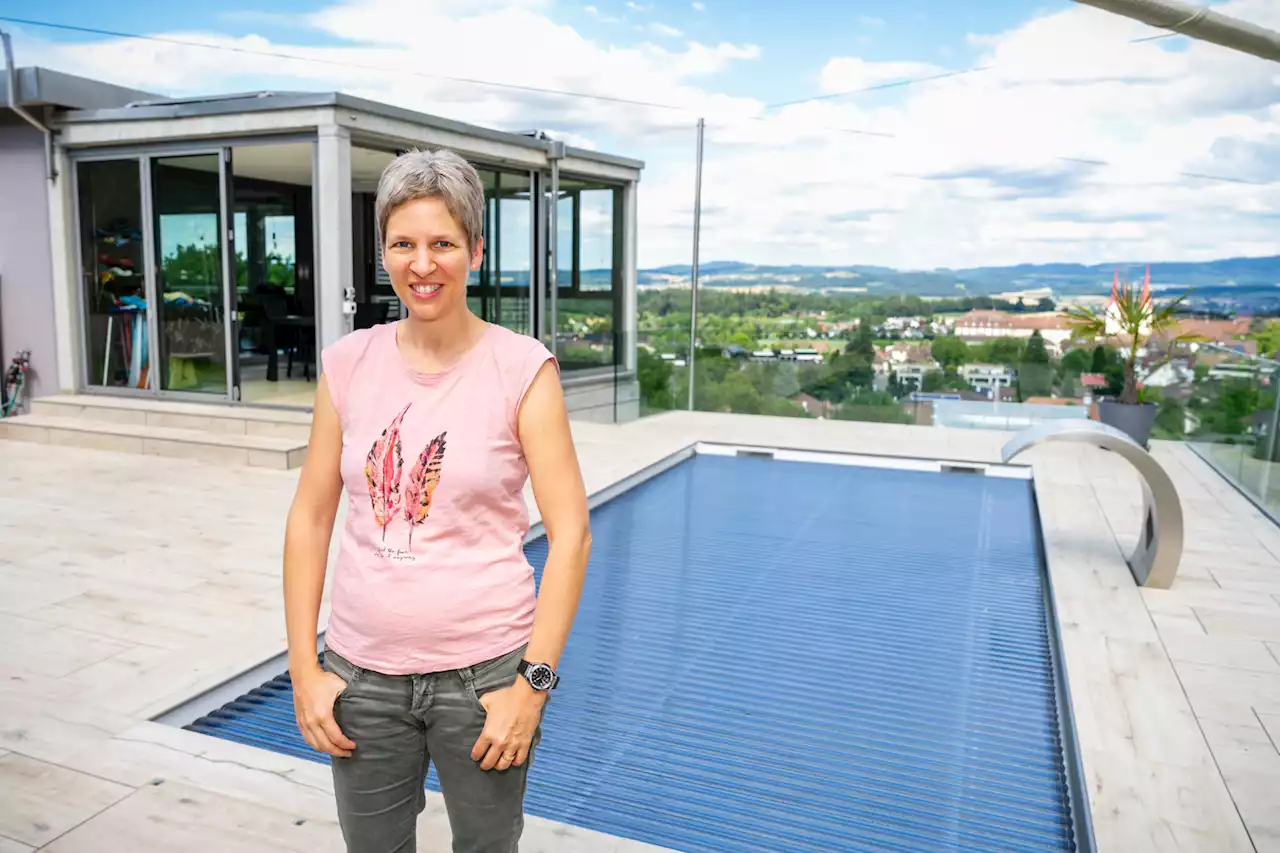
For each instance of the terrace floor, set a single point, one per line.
(130, 583)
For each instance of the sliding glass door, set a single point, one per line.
(188, 266)
(115, 332)
(190, 279)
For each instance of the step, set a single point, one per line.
(210, 446)
(210, 417)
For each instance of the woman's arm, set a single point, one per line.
(543, 428)
(562, 501)
(306, 555)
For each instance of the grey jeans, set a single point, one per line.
(400, 723)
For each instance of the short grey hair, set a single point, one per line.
(441, 174)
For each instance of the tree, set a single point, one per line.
(1136, 318)
(1046, 304)
(1006, 351)
(863, 344)
(1034, 380)
(1035, 373)
(1036, 353)
(1170, 420)
(654, 376)
(950, 351)
(1075, 362)
(875, 406)
(1100, 360)
(933, 381)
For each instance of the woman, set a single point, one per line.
(434, 649)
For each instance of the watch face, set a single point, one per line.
(540, 676)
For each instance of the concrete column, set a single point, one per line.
(67, 281)
(334, 272)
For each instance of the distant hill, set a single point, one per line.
(1243, 281)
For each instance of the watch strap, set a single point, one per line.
(523, 669)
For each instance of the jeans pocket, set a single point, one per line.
(493, 675)
(341, 667)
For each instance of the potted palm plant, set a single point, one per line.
(1132, 318)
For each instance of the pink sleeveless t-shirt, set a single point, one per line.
(431, 574)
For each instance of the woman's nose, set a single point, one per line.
(423, 263)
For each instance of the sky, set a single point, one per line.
(1052, 132)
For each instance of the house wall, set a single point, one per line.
(26, 269)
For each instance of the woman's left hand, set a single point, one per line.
(512, 715)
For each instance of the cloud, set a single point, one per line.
(870, 21)
(1052, 181)
(259, 16)
(849, 73)
(639, 7)
(595, 13)
(664, 30)
(1073, 145)
(699, 6)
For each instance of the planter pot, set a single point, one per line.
(1133, 420)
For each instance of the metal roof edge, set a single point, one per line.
(158, 107)
(188, 108)
(601, 157)
(391, 111)
(38, 85)
(528, 139)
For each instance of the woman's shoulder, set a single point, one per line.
(518, 358)
(346, 352)
(516, 346)
(518, 355)
(351, 346)
(340, 360)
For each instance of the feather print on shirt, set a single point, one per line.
(423, 480)
(382, 470)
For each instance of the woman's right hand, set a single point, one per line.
(314, 695)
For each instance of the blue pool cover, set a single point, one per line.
(793, 656)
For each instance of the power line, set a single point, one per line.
(361, 66)
(894, 84)
(563, 92)
(928, 78)
(341, 64)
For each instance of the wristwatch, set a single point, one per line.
(540, 676)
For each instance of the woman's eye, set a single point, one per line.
(400, 243)
(443, 243)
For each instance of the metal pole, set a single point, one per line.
(1275, 420)
(1197, 22)
(697, 225)
(554, 153)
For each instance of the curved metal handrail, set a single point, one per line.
(1154, 561)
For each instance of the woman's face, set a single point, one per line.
(427, 258)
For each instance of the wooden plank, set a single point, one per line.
(171, 816)
(42, 800)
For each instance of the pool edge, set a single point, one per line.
(1072, 757)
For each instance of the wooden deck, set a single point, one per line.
(131, 583)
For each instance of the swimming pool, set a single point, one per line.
(799, 656)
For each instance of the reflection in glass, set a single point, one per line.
(186, 197)
(589, 278)
(113, 274)
(515, 229)
(500, 293)
(275, 292)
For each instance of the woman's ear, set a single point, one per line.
(477, 254)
